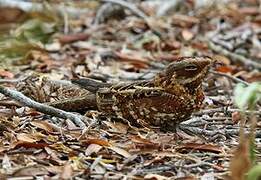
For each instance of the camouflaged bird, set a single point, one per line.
(169, 98)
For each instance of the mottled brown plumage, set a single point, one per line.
(166, 100)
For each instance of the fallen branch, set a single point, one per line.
(234, 57)
(21, 98)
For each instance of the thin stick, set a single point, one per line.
(21, 98)
(235, 79)
(13, 81)
(211, 133)
(214, 110)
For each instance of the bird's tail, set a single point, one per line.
(76, 104)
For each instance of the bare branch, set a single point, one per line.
(235, 79)
(21, 98)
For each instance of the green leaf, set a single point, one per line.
(254, 173)
(35, 30)
(247, 96)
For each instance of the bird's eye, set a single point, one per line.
(191, 68)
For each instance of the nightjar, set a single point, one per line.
(167, 99)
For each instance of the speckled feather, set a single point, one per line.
(171, 97)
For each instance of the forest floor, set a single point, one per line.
(116, 41)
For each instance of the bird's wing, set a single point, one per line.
(93, 85)
(90, 84)
(132, 85)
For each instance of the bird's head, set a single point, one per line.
(187, 71)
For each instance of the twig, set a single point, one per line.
(235, 79)
(167, 6)
(130, 6)
(215, 110)
(211, 133)
(234, 57)
(220, 42)
(18, 96)
(13, 81)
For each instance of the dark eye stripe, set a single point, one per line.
(191, 68)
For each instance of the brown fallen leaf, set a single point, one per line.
(96, 141)
(7, 74)
(135, 60)
(144, 143)
(30, 145)
(43, 125)
(11, 15)
(224, 69)
(31, 138)
(184, 20)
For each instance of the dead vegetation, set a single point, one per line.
(116, 40)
